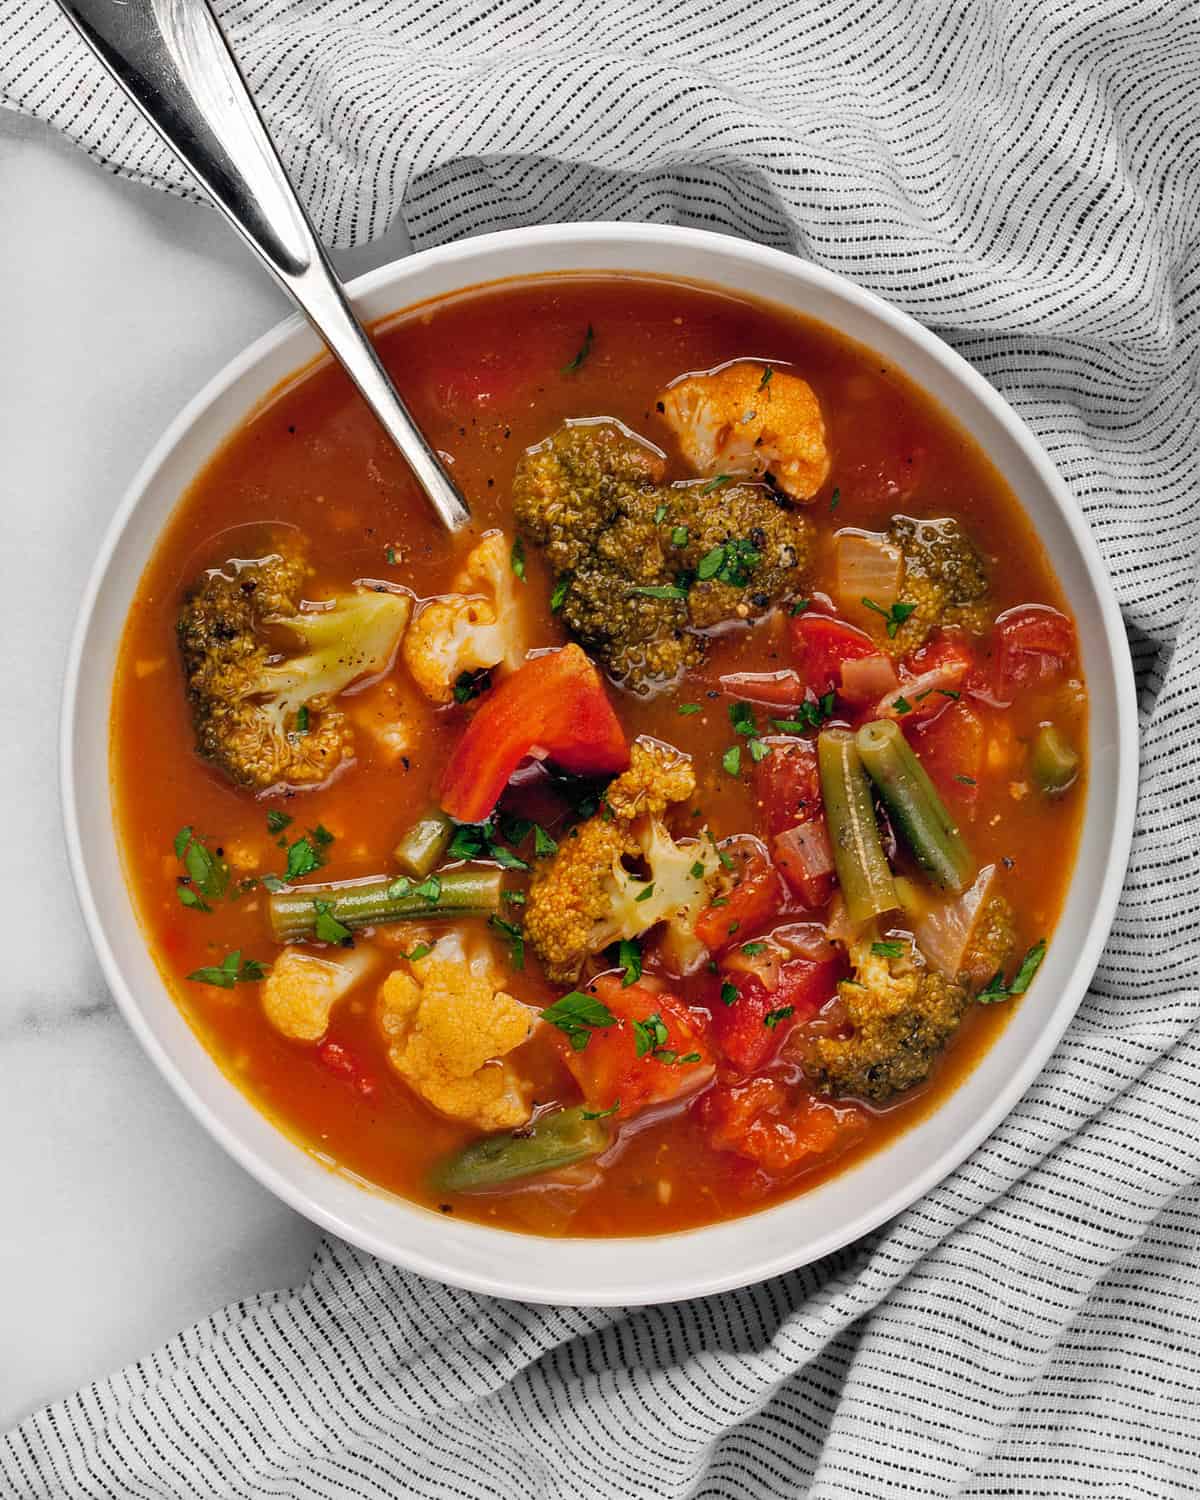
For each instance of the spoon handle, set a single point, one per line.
(172, 59)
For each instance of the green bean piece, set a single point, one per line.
(862, 870)
(920, 815)
(1054, 762)
(474, 890)
(423, 845)
(554, 1140)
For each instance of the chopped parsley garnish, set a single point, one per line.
(577, 1015)
(688, 708)
(390, 554)
(559, 594)
(430, 889)
(468, 685)
(689, 1057)
(304, 855)
(773, 1017)
(516, 939)
(895, 616)
(809, 715)
(660, 514)
(646, 894)
(679, 536)
(191, 898)
(274, 883)
(327, 927)
(995, 989)
(630, 959)
(714, 484)
(660, 590)
(901, 704)
(419, 951)
(730, 562)
(966, 780)
(729, 992)
(758, 749)
(649, 1035)
(950, 693)
(834, 499)
(753, 949)
(601, 1114)
(722, 854)
(277, 821)
(517, 558)
(543, 845)
(741, 716)
(301, 725)
(208, 872)
(233, 969)
(584, 350)
(732, 759)
(766, 377)
(697, 871)
(799, 606)
(888, 949)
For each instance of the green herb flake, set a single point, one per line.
(660, 514)
(799, 606)
(741, 716)
(468, 685)
(584, 350)
(516, 939)
(766, 377)
(773, 1017)
(274, 883)
(966, 780)
(895, 616)
(714, 484)
(207, 872)
(835, 500)
(679, 536)
(233, 969)
(630, 959)
(182, 839)
(301, 725)
(697, 871)
(559, 594)
(505, 858)
(759, 750)
(731, 761)
(401, 887)
(689, 1057)
(517, 559)
(649, 1035)
(422, 950)
(277, 821)
(645, 895)
(688, 708)
(303, 857)
(543, 845)
(390, 554)
(752, 950)
(729, 992)
(660, 590)
(191, 899)
(327, 927)
(888, 949)
(467, 842)
(429, 890)
(600, 1114)
(577, 1015)
(950, 693)
(1029, 967)
(901, 704)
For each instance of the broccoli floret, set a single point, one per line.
(586, 897)
(643, 566)
(267, 719)
(944, 578)
(902, 1016)
(993, 940)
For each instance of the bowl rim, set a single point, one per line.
(696, 1279)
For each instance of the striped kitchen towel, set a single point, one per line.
(1024, 176)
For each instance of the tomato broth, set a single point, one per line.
(488, 374)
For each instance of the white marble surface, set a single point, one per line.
(120, 1221)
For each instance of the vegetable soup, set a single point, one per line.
(653, 849)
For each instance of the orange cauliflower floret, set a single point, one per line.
(476, 626)
(748, 418)
(301, 990)
(585, 897)
(449, 1030)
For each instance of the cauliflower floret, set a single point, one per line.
(449, 1031)
(902, 1018)
(747, 418)
(476, 626)
(586, 897)
(301, 990)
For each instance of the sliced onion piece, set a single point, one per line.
(868, 679)
(805, 856)
(865, 567)
(921, 697)
(943, 932)
(782, 689)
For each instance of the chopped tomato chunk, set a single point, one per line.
(555, 704)
(753, 900)
(820, 644)
(782, 689)
(951, 749)
(1032, 642)
(788, 784)
(749, 1028)
(656, 1052)
(765, 1121)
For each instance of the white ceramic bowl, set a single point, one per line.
(741, 1251)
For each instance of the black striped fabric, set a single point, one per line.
(1024, 176)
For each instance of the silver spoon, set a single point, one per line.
(172, 59)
